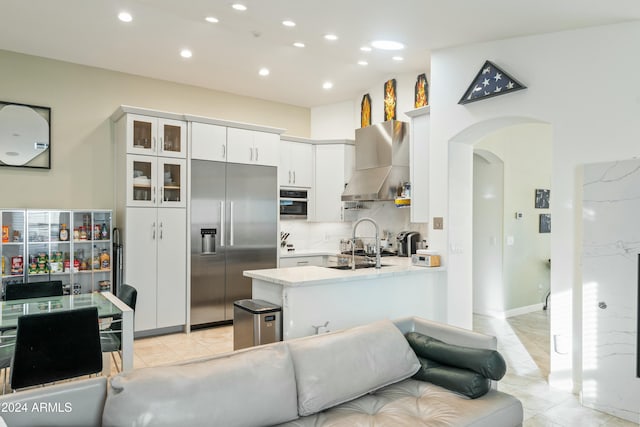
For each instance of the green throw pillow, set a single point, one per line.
(462, 381)
(488, 363)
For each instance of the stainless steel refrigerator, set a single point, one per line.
(234, 216)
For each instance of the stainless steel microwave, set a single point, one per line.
(293, 204)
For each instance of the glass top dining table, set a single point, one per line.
(11, 310)
(108, 306)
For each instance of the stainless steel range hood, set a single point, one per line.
(382, 162)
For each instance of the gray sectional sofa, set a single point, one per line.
(356, 377)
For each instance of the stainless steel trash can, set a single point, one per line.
(256, 322)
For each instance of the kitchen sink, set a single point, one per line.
(358, 266)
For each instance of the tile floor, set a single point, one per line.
(524, 343)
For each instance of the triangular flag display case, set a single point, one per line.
(489, 82)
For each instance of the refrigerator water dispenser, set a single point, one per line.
(208, 241)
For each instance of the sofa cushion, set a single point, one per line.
(340, 366)
(246, 388)
(412, 403)
(488, 363)
(462, 381)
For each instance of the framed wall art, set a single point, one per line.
(544, 225)
(542, 198)
(365, 111)
(421, 92)
(25, 135)
(390, 100)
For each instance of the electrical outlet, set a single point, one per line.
(437, 223)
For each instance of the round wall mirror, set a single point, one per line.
(25, 136)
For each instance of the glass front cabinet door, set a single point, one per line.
(156, 181)
(12, 246)
(172, 182)
(156, 136)
(142, 180)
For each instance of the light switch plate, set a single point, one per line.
(437, 223)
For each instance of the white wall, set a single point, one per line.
(488, 212)
(82, 99)
(526, 152)
(581, 82)
(333, 121)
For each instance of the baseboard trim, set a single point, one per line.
(513, 312)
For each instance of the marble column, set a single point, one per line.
(611, 244)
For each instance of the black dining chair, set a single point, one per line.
(15, 291)
(7, 345)
(111, 338)
(55, 346)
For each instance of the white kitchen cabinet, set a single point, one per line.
(155, 181)
(419, 163)
(208, 142)
(148, 135)
(252, 147)
(333, 168)
(155, 264)
(301, 261)
(151, 216)
(296, 164)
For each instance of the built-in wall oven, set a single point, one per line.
(293, 204)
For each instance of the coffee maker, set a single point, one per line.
(407, 243)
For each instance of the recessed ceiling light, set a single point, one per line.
(331, 37)
(298, 44)
(398, 58)
(363, 63)
(125, 17)
(263, 71)
(238, 6)
(288, 23)
(327, 85)
(365, 49)
(211, 19)
(186, 53)
(387, 45)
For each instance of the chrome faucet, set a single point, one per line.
(353, 246)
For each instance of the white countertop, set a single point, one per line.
(313, 275)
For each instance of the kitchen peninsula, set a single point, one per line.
(311, 296)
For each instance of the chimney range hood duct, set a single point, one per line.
(382, 162)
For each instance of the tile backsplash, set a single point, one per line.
(327, 235)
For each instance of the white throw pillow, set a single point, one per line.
(340, 366)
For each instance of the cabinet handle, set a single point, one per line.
(289, 177)
(153, 231)
(250, 154)
(161, 146)
(222, 224)
(154, 195)
(224, 151)
(161, 231)
(294, 177)
(162, 194)
(257, 152)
